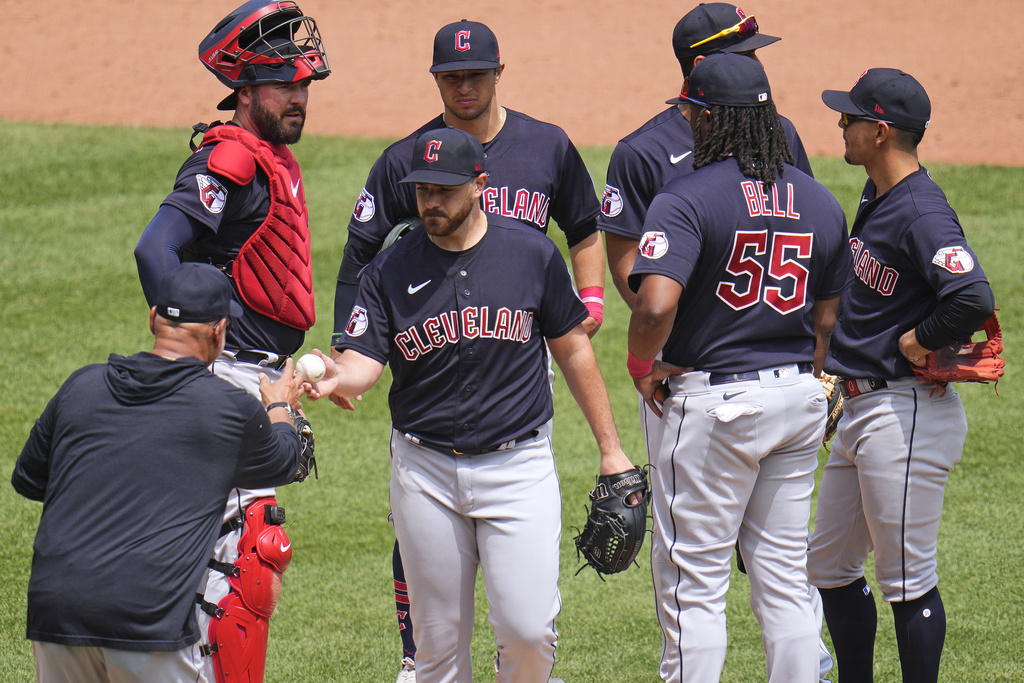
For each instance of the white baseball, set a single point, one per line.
(311, 368)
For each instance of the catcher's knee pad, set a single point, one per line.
(264, 552)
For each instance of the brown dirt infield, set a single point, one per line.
(598, 68)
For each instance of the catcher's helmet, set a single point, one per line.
(264, 42)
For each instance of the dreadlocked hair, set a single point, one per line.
(752, 135)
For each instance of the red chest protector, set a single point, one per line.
(273, 268)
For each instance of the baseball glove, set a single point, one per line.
(830, 383)
(614, 532)
(968, 361)
(307, 460)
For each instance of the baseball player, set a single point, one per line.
(917, 287)
(132, 460)
(737, 279)
(239, 203)
(662, 149)
(473, 480)
(534, 174)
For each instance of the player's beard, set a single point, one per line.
(278, 130)
(438, 223)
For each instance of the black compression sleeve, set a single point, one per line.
(344, 299)
(957, 316)
(358, 252)
(159, 249)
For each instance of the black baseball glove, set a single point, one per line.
(830, 384)
(307, 460)
(614, 532)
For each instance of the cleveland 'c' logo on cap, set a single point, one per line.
(432, 149)
(462, 41)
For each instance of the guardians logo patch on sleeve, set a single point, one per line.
(365, 207)
(212, 193)
(611, 202)
(357, 322)
(653, 245)
(954, 259)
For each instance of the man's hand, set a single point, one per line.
(651, 387)
(287, 389)
(327, 385)
(346, 374)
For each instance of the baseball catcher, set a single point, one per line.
(616, 521)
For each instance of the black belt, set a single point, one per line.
(261, 359)
(726, 378)
(855, 387)
(448, 450)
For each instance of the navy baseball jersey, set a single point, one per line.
(464, 332)
(232, 213)
(752, 263)
(647, 159)
(534, 174)
(909, 252)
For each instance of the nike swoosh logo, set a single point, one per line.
(295, 187)
(676, 159)
(413, 290)
(732, 395)
(284, 548)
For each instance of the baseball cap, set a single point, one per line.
(196, 293)
(888, 95)
(465, 45)
(728, 80)
(716, 27)
(446, 156)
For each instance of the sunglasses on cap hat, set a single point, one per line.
(847, 119)
(745, 29)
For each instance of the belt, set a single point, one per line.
(726, 378)
(448, 450)
(262, 358)
(855, 387)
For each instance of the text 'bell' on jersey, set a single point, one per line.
(233, 213)
(752, 262)
(464, 332)
(909, 252)
(644, 161)
(534, 174)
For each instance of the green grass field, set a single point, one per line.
(74, 201)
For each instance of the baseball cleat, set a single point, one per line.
(408, 672)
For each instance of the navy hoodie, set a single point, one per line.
(133, 461)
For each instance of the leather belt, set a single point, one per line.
(726, 378)
(855, 387)
(448, 450)
(262, 359)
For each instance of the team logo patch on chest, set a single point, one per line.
(212, 193)
(611, 202)
(365, 207)
(954, 259)
(356, 322)
(653, 245)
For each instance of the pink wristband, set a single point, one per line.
(593, 299)
(638, 368)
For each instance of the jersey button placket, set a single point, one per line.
(465, 408)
